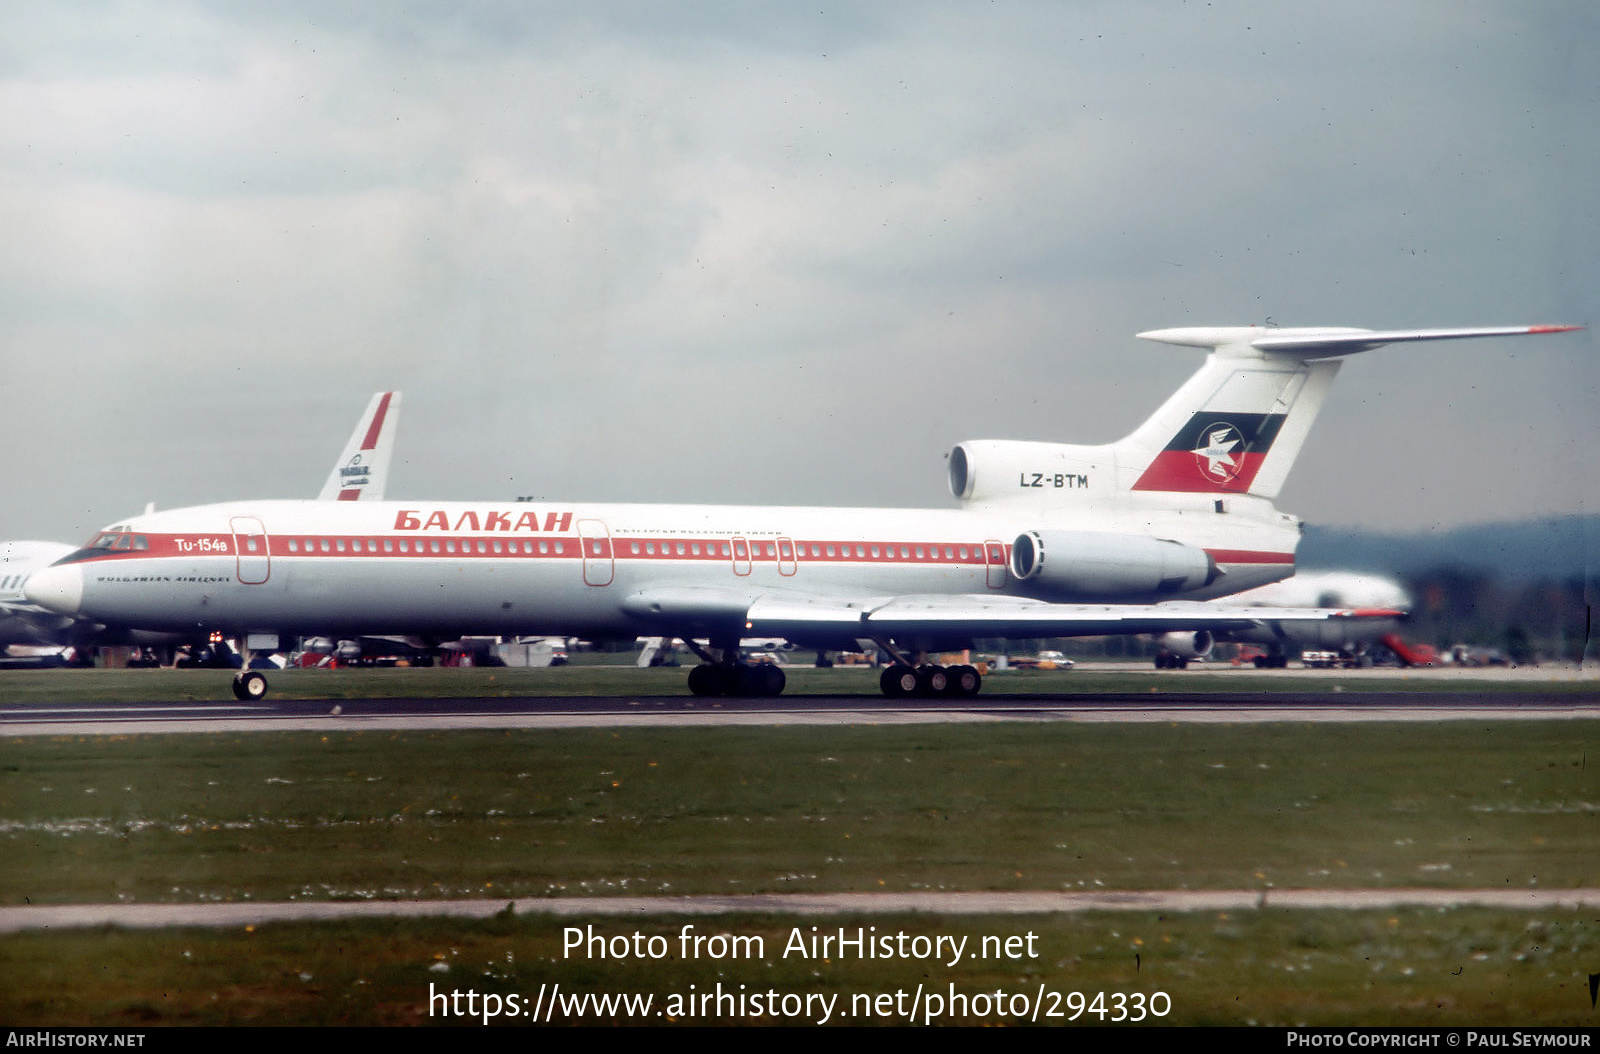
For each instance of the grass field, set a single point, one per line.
(574, 813)
(715, 810)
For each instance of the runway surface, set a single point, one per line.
(1316, 704)
(152, 916)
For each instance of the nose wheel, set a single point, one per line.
(250, 686)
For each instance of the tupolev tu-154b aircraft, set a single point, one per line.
(1049, 540)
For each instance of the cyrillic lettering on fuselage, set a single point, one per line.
(489, 520)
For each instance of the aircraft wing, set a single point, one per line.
(937, 621)
(961, 618)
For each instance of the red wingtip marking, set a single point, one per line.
(374, 429)
(1553, 329)
(1375, 613)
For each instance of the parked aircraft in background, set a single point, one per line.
(1050, 540)
(361, 472)
(1376, 603)
(22, 621)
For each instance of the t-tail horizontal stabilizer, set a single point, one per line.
(1320, 341)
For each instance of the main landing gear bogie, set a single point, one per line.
(901, 680)
(756, 680)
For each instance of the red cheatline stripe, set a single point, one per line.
(376, 428)
(1249, 556)
(162, 546)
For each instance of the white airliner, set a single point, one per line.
(1377, 602)
(361, 472)
(22, 621)
(1049, 540)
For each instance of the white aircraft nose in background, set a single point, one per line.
(58, 587)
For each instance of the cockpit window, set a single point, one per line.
(120, 541)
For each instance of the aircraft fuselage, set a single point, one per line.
(469, 567)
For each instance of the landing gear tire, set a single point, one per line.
(761, 680)
(705, 679)
(932, 680)
(898, 681)
(250, 686)
(965, 681)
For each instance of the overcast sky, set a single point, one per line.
(780, 253)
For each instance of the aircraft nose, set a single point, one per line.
(59, 588)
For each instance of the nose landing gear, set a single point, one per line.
(250, 686)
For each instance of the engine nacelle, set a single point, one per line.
(1187, 645)
(1093, 565)
(985, 470)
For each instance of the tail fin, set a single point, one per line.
(1237, 425)
(1234, 427)
(362, 470)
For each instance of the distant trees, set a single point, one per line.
(1527, 621)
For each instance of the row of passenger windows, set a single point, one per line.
(431, 545)
(684, 549)
(757, 549)
(818, 551)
